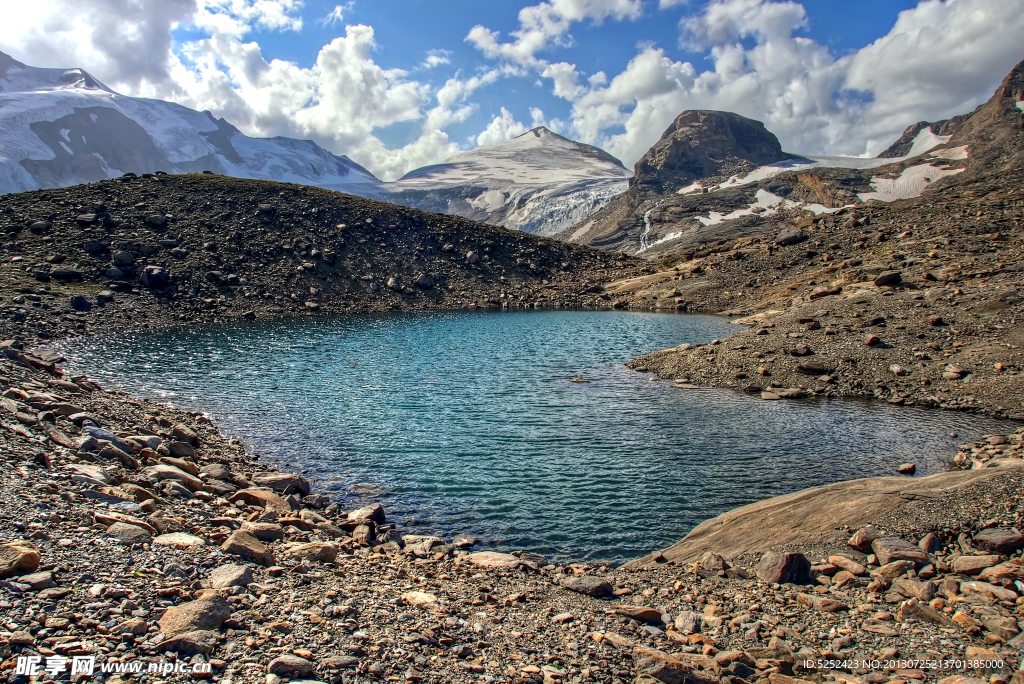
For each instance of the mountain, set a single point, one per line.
(718, 176)
(539, 182)
(62, 127)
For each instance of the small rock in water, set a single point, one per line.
(906, 469)
(580, 379)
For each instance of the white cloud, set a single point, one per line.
(939, 59)
(546, 25)
(436, 58)
(337, 15)
(502, 128)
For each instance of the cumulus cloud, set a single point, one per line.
(502, 127)
(547, 25)
(939, 59)
(436, 58)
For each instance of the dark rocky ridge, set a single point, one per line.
(215, 248)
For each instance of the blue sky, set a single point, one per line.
(825, 76)
(407, 31)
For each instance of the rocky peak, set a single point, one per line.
(702, 144)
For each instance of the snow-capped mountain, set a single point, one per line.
(539, 182)
(61, 127)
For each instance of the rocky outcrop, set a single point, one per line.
(704, 144)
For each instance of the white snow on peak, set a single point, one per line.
(911, 183)
(926, 140)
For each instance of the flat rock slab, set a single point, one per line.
(206, 613)
(591, 586)
(230, 576)
(810, 516)
(889, 549)
(493, 559)
(178, 540)
(995, 540)
(129, 534)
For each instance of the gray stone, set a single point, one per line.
(374, 512)
(129, 534)
(790, 236)
(996, 540)
(290, 666)
(205, 613)
(155, 277)
(230, 576)
(889, 549)
(689, 622)
(586, 584)
(783, 568)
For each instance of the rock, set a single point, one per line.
(265, 532)
(862, 538)
(229, 576)
(165, 471)
(888, 278)
(80, 303)
(667, 669)
(823, 604)
(790, 236)
(1011, 571)
(689, 622)
(17, 558)
(464, 541)
(872, 341)
(206, 613)
(178, 540)
(136, 626)
(290, 666)
(996, 540)
(638, 613)
(811, 368)
(587, 584)
(972, 565)
(182, 450)
(155, 277)
(129, 534)
(190, 643)
(930, 543)
(889, 549)
(783, 568)
(286, 483)
(364, 534)
(472, 257)
(248, 547)
(849, 565)
(374, 512)
(38, 580)
(935, 321)
(913, 608)
(262, 497)
(906, 469)
(314, 551)
(893, 570)
(420, 599)
(492, 559)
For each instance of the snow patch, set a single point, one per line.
(66, 148)
(492, 200)
(911, 183)
(819, 209)
(581, 231)
(65, 133)
(926, 140)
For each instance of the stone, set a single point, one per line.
(178, 540)
(586, 584)
(996, 540)
(17, 558)
(247, 547)
(314, 551)
(423, 282)
(264, 531)
(420, 599)
(38, 580)
(862, 538)
(972, 565)
(872, 340)
(80, 303)
(689, 622)
(262, 497)
(666, 668)
(790, 236)
(364, 534)
(206, 613)
(1011, 571)
(374, 512)
(286, 483)
(155, 277)
(889, 549)
(930, 543)
(913, 608)
(288, 665)
(906, 469)
(129, 534)
(136, 626)
(823, 604)
(165, 471)
(472, 257)
(227, 576)
(888, 278)
(783, 568)
(849, 565)
(190, 643)
(893, 570)
(464, 541)
(182, 450)
(638, 613)
(492, 559)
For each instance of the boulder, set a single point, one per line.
(129, 534)
(262, 497)
(229, 576)
(314, 551)
(248, 547)
(420, 599)
(783, 568)
(155, 277)
(178, 540)
(288, 665)
(862, 538)
(639, 613)
(972, 565)
(17, 558)
(492, 559)
(374, 512)
(996, 540)
(286, 483)
(889, 549)
(689, 622)
(165, 471)
(888, 278)
(206, 613)
(790, 236)
(266, 532)
(667, 669)
(190, 643)
(586, 584)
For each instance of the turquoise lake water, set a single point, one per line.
(466, 422)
